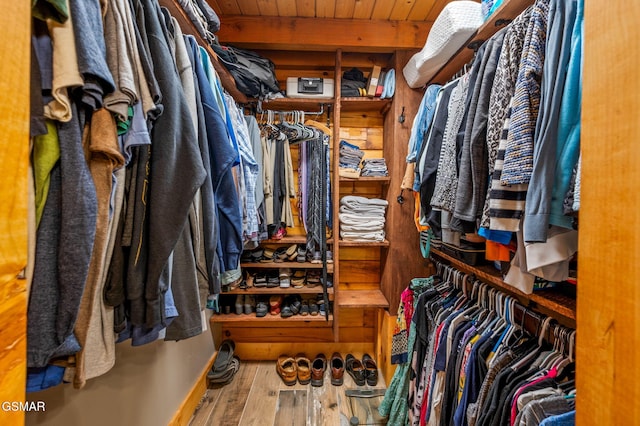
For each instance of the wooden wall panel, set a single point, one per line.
(400, 264)
(15, 28)
(359, 271)
(360, 253)
(608, 360)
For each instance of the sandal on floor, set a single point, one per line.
(286, 367)
(303, 365)
(225, 355)
(370, 370)
(225, 376)
(355, 369)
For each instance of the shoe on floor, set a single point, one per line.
(355, 369)
(286, 367)
(337, 369)
(303, 366)
(318, 368)
(371, 370)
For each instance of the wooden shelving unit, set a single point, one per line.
(505, 14)
(243, 318)
(549, 302)
(290, 265)
(293, 239)
(280, 290)
(383, 179)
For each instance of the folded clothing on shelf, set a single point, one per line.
(350, 158)
(362, 219)
(374, 167)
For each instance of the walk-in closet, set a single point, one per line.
(320, 212)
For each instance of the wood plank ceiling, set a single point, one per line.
(374, 25)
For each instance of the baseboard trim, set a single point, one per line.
(188, 406)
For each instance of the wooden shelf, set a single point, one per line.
(505, 14)
(362, 299)
(187, 27)
(549, 302)
(311, 105)
(290, 265)
(271, 319)
(384, 179)
(365, 104)
(280, 290)
(294, 239)
(344, 243)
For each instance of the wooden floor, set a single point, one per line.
(257, 396)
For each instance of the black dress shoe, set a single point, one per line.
(355, 369)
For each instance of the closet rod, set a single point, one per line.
(527, 318)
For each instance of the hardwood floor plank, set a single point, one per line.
(263, 396)
(323, 404)
(230, 406)
(204, 411)
(292, 408)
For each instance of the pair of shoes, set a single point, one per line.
(355, 369)
(225, 376)
(337, 369)
(318, 367)
(292, 252)
(313, 308)
(244, 304)
(226, 364)
(298, 278)
(291, 306)
(315, 258)
(302, 254)
(260, 280)
(292, 370)
(285, 277)
(262, 306)
(273, 279)
(304, 308)
(313, 278)
(275, 304)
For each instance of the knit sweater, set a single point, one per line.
(518, 159)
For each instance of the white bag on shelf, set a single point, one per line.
(457, 22)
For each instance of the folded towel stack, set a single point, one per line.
(375, 167)
(350, 158)
(362, 219)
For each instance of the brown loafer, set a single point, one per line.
(304, 369)
(337, 369)
(286, 367)
(318, 368)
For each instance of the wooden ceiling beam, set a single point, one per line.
(292, 33)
